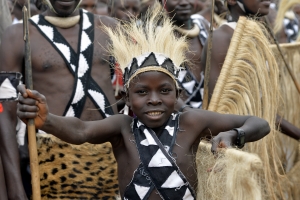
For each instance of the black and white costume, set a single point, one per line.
(186, 79)
(158, 169)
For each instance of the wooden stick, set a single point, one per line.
(281, 55)
(34, 165)
(208, 58)
(28, 6)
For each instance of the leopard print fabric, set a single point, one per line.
(84, 171)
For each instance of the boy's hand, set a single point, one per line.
(32, 105)
(223, 140)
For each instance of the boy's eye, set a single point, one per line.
(165, 90)
(141, 92)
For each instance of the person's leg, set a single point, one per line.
(3, 192)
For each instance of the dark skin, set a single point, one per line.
(50, 75)
(206, 12)
(220, 44)
(180, 12)
(3, 193)
(102, 8)
(124, 10)
(89, 5)
(152, 96)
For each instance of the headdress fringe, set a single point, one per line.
(131, 40)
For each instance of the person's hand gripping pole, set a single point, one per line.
(32, 105)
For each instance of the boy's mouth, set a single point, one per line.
(154, 113)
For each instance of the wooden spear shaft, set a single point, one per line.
(34, 165)
(282, 56)
(208, 58)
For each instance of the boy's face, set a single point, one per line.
(152, 97)
(179, 10)
(260, 7)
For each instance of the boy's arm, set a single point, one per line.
(70, 129)
(221, 125)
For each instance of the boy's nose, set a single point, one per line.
(154, 99)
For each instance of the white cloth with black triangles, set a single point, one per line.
(158, 169)
(8, 85)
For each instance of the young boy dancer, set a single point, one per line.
(154, 151)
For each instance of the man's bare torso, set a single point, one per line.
(52, 76)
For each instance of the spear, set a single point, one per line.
(208, 57)
(34, 165)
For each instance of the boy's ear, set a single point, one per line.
(125, 97)
(231, 2)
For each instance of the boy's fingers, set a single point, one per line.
(22, 90)
(224, 144)
(214, 145)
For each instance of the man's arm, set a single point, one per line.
(70, 129)
(11, 56)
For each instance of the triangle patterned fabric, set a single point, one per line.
(146, 60)
(79, 64)
(9, 82)
(158, 168)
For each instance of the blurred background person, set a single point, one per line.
(89, 5)
(124, 9)
(102, 8)
(16, 9)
